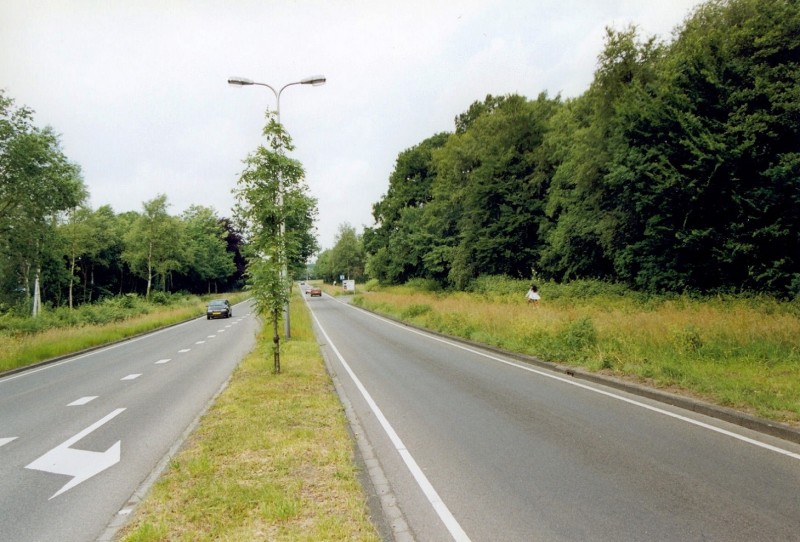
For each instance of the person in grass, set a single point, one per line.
(533, 295)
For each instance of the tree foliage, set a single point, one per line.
(677, 170)
(49, 236)
(276, 215)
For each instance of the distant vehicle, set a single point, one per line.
(315, 292)
(218, 308)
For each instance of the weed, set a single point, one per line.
(416, 310)
(580, 334)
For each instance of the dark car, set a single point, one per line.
(218, 308)
(315, 292)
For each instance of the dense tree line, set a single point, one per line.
(677, 170)
(51, 239)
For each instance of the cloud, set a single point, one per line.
(138, 90)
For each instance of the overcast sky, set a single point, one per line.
(138, 91)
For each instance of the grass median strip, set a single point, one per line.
(271, 460)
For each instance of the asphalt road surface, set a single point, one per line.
(80, 437)
(463, 444)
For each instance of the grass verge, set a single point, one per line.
(271, 460)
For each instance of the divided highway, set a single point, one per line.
(463, 444)
(78, 437)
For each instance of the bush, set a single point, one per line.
(372, 285)
(159, 298)
(580, 334)
(424, 285)
(499, 285)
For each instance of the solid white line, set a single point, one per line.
(573, 382)
(83, 400)
(439, 506)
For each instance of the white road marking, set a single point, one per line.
(4, 441)
(80, 464)
(163, 361)
(573, 382)
(183, 351)
(83, 400)
(200, 342)
(220, 331)
(427, 488)
(211, 336)
(131, 377)
(93, 352)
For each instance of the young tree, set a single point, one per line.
(271, 191)
(154, 246)
(79, 240)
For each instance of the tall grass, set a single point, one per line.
(741, 352)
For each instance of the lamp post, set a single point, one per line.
(314, 80)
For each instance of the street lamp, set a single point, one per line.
(314, 80)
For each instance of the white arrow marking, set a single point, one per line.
(80, 464)
(4, 441)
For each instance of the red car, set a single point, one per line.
(315, 292)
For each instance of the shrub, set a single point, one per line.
(371, 285)
(499, 285)
(159, 298)
(424, 285)
(580, 334)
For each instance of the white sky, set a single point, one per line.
(137, 89)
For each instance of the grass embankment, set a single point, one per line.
(738, 352)
(271, 460)
(62, 331)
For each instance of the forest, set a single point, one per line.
(677, 170)
(51, 239)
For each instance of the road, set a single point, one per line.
(80, 437)
(463, 444)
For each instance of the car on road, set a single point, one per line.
(218, 308)
(315, 292)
